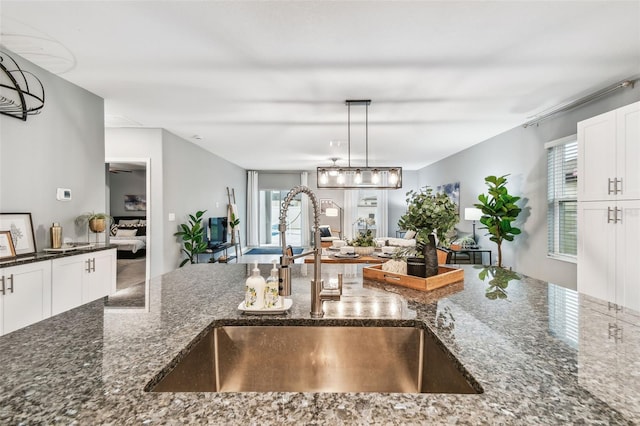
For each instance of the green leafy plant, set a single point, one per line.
(429, 212)
(365, 239)
(193, 236)
(499, 210)
(234, 221)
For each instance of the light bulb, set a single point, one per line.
(323, 177)
(375, 176)
(393, 177)
(340, 177)
(358, 178)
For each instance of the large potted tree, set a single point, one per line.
(429, 214)
(499, 210)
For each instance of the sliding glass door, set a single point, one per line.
(270, 204)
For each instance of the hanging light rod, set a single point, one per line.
(351, 177)
(578, 102)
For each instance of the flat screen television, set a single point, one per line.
(217, 231)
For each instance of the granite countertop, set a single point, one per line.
(50, 255)
(543, 355)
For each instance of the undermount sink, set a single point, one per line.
(316, 359)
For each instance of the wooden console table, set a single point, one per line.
(359, 259)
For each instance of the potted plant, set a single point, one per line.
(233, 223)
(427, 214)
(364, 244)
(398, 262)
(97, 221)
(193, 236)
(499, 210)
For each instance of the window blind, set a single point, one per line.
(562, 196)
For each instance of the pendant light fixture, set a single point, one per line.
(350, 177)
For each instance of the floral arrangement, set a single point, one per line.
(365, 239)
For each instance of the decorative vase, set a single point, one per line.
(430, 257)
(364, 251)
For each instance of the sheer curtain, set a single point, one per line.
(253, 197)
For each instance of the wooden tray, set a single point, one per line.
(446, 276)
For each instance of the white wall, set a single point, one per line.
(63, 147)
(520, 152)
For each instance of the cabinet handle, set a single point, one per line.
(93, 263)
(609, 189)
(615, 332)
(88, 266)
(618, 181)
(616, 217)
(2, 288)
(609, 210)
(11, 281)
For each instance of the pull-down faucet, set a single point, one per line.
(318, 293)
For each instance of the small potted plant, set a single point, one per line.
(97, 221)
(364, 244)
(232, 224)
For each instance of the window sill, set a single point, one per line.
(563, 258)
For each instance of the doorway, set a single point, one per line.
(269, 218)
(128, 203)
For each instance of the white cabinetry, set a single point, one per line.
(609, 206)
(25, 295)
(82, 278)
(609, 152)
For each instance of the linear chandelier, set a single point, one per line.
(350, 177)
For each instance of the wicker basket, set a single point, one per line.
(364, 251)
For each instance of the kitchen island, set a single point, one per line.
(543, 355)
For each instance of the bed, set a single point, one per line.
(129, 235)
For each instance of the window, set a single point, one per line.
(562, 197)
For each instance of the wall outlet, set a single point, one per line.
(172, 217)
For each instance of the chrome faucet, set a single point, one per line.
(318, 293)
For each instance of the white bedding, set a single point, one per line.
(132, 244)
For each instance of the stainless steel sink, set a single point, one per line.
(316, 359)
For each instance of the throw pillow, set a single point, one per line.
(126, 232)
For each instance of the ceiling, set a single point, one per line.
(263, 84)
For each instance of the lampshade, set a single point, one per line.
(471, 213)
(331, 212)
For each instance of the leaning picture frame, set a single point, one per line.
(6, 246)
(20, 226)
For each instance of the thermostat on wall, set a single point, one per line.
(63, 194)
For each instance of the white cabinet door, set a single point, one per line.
(627, 254)
(597, 157)
(596, 250)
(67, 275)
(100, 280)
(27, 295)
(628, 151)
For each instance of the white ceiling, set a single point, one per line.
(264, 83)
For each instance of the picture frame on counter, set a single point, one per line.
(6, 246)
(20, 227)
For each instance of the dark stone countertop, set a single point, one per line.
(50, 255)
(542, 353)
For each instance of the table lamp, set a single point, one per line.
(471, 213)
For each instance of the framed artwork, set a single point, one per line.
(20, 227)
(6, 246)
(453, 191)
(135, 203)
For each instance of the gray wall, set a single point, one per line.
(195, 179)
(62, 147)
(126, 183)
(184, 178)
(520, 152)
